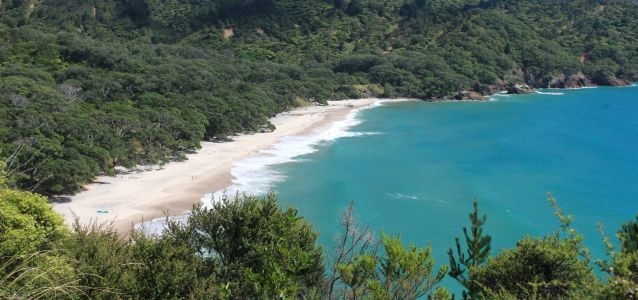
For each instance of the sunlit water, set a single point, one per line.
(413, 168)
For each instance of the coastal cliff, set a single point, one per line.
(481, 92)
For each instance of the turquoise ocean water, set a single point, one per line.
(413, 168)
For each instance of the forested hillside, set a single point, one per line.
(89, 85)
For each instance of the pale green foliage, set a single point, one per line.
(27, 222)
(355, 275)
(566, 231)
(28, 228)
(3, 174)
(623, 269)
(405, 273)
(102, 259)
(37, 275)
(623, 283)
(402, 273)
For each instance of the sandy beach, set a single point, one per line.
(154, 191)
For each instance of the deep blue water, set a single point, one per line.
(418, 168)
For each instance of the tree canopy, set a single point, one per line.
(247, 247)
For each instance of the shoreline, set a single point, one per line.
(124, 200)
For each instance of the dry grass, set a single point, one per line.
(38, 275)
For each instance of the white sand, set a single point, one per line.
(127, 199)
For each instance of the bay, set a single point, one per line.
(413, 168)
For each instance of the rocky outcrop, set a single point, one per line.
(469, 95)
(519, 88)
(488, 89)
(617, 82)
(480, 92)
(572, 81)
(579, 80)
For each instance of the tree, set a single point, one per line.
(165, 267)
(552, 267)
(537, 268)
(353, 242)
(359, 270)
(30, 267)
(478, 250)
(27, 222)
(262, 250)
(628, 235)
(405, 273)
(623, 268)
(101, 259)
(401, 273)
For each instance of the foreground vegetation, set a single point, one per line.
(249, 248)
(89, 85)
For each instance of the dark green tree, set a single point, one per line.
(262, 251)
(623, 268)
(102, 261)
(477, 249)
(628, 236)
(537, 268)
(553, 267)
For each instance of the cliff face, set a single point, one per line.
(581, 80)
(618, 82)
(480, 91)
(469, 95)
(519, 88)
(571, 81)
(526, 84)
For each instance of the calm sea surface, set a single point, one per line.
(413, 168)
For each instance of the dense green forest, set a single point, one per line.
(89, 85)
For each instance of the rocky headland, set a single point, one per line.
(528, 84)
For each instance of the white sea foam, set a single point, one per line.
(158, 225)
(549, 93)
(403, 196)
(584, 87)
(255, 175)
(502, 94)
